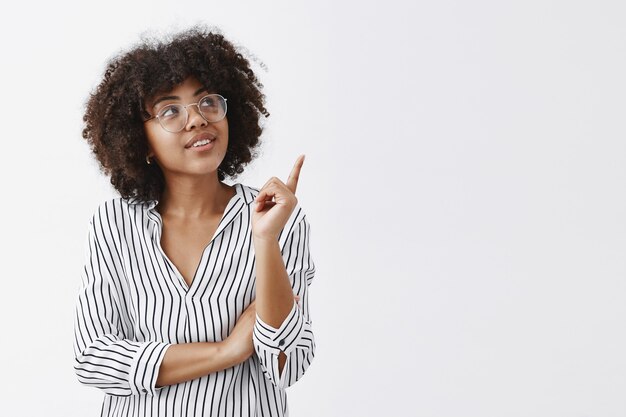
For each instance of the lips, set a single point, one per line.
(200, 136)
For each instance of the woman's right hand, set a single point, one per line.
(239, 343)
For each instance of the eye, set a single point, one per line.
(208, 102)
(169, 112)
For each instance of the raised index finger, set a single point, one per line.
(292, 181)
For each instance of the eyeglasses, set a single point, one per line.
(174, 117)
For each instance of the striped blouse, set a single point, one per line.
(133, 304)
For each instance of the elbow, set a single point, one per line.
(298, 360)
(302, 357)
(297, 364)
(92, 375)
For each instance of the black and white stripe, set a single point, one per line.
(133, 304)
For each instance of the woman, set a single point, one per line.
(194, 296)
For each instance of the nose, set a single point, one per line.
(195, 119)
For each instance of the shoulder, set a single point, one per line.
(117, 219)
(113, 210)
(112, 205)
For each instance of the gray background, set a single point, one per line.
(464, 180)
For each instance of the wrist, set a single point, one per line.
(264, 239)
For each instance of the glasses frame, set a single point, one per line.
(156, 116)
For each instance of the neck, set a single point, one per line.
(194, 197)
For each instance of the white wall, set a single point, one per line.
(464, 179)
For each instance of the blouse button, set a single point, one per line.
(281, 342)
(144, 390)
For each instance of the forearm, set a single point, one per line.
(274, 295)
(186, 361)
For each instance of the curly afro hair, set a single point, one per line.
(115, 111)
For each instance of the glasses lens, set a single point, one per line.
(213, 107)
(172, 117)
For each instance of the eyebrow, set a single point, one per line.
(160, 99)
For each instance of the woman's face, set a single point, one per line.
(172, 151)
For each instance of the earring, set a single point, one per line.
(148, 159)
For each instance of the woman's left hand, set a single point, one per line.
(270, 217)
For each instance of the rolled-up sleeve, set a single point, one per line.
(294, 337)
(104, 357)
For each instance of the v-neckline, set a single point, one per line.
(220, 226)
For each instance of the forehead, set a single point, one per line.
(188, 89)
